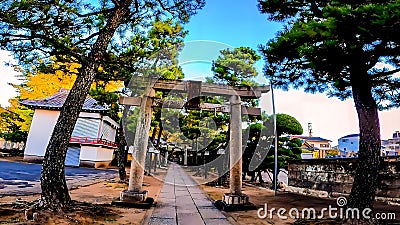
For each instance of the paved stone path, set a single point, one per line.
(181, 201)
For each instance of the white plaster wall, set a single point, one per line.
(104, 154)
(96, 154)
(88, 153)
(307, 155)
(317, 144)
(42, 126)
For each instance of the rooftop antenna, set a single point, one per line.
(310, 129)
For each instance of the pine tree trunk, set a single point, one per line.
(121, 153)
(55, 193)
(365, 182)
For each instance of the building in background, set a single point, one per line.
(92, 142)
(317, 145)
(392, 145)
(348, 145)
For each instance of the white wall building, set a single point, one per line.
(391, 147)
(92, 142)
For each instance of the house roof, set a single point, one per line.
(308, 138)
(56, 101)
(351, 135)
(318, 139)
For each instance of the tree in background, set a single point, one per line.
(207, 129)
(346, 49)
(16, 121)
(10, 126)
(235, 67)
(154, 52)
(87, 34)
(288, 149)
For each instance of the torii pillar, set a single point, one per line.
(135, 192)
(235, 199)
(235, 146)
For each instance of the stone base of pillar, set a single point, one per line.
(134, 199)
(133, 196)
(232, 199)
(233, 202)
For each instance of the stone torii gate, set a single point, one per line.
(134, 193)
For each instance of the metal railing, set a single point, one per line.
(93, 141)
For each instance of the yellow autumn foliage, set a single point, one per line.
(24, 113)
(42, 85)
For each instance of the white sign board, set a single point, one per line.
(131, 149)
(221, 151)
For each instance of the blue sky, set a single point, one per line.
(232, 23)
(225, 23)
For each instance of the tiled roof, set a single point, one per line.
(317, 139)
(308, 138)
(351, 135)
(56, 101)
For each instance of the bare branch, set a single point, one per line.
(136, 5)
(386, 73)
(163, 7)
(87, 38)
(116, 3)
(104, 11)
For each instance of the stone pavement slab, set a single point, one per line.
(182, 202)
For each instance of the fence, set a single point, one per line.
(11, 148)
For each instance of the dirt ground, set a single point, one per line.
(92, 204)
(261, 196)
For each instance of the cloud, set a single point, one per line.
(7, 75)
(382, 65)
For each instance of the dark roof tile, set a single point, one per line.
(57, 100)
(351, 135)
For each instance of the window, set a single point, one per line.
(344, 140)
(324, 145)
(351, 142)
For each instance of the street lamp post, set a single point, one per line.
(275, 144)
